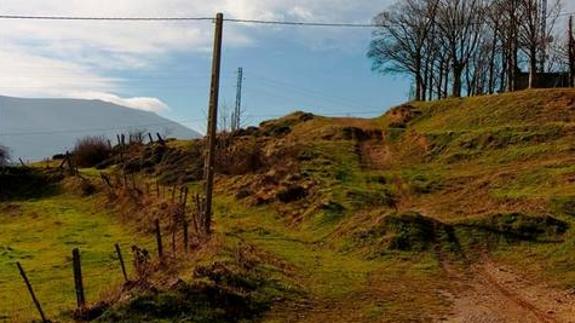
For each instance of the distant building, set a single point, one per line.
(543, 80)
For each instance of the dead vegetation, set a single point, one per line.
(91, 151)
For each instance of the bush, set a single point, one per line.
(90, 151)
(4, 156)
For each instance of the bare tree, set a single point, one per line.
(469, 47)
(461, 26)
(399, 44)
(534, 33)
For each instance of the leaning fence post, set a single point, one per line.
(31, 291)
(78, 283)
(119, 252)
(159, 240)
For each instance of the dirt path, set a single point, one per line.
(493, 293)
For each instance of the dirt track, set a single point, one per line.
(492, 293)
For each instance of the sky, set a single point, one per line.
(164, 67)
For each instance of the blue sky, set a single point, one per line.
(283, 74)
(165, 67)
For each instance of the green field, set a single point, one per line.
(41, 235)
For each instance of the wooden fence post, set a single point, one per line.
(159, 239)
(31, 291)
(186, 235)
(119, 252)
(78, 283)
(160, 140)
(173, 227)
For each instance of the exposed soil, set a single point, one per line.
(493, 293)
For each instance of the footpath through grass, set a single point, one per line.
(41, 235)
(337, 286)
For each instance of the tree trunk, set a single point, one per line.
(503, 74)
(430, 83)
(533, 67)
(457, 85)
(446, 82)
(491, 81)
(440, 72)
(418, 83)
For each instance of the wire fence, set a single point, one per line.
(53, 282)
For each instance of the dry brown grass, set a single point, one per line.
(90, 151)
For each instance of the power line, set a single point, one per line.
(232, 20)
(151, 19)
(342, 101)
(301, 23)
(75, 18)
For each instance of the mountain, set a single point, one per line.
(33, 129)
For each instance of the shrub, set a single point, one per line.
(238, 157)
(90, 151)
(4, 156)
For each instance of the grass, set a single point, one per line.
(41, 234)
(332, 280)
(369, 241)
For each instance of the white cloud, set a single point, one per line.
(60, 58)
(140, 103)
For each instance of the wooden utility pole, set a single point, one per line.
(212, 120)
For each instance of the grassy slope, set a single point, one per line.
(503, 153)
(41, 234)
(457, 162)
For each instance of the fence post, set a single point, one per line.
(78, 283)
(186, 236)
(31, 291)
(185, 220)
(119, 252)
(159, 239)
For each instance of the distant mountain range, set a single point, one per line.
(34, 129)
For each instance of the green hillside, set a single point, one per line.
(418, 215)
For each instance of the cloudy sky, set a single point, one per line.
(164, 66)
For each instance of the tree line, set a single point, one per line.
(470, 47)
